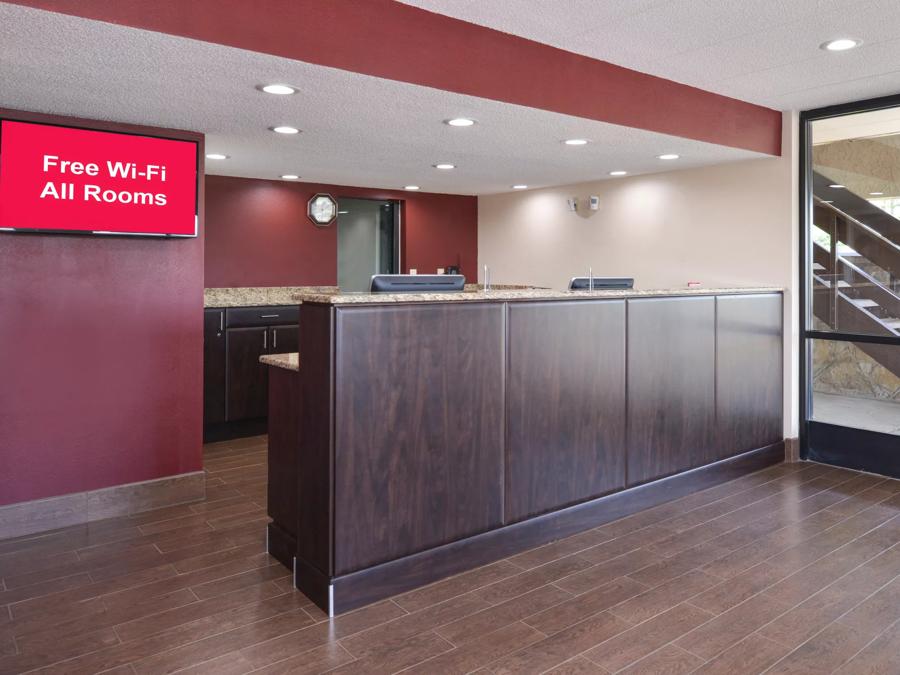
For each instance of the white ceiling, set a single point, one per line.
(762, 51)
(357, 130)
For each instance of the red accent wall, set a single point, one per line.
(258, 233)
(101, 349)
(485, 62)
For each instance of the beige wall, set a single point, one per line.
(728, 225)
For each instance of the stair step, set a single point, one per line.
(817, 267)
(843, 284)
(863, 302)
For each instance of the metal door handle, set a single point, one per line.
(269, 316)
(222, 320)
(274, 338)
(265, 339)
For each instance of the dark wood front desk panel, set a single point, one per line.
(426, 439)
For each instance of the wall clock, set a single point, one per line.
(322, 209)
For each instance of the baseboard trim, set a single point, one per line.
(397, 576)
(42, 515)
(791, 450)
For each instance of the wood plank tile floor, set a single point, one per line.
(795, 569)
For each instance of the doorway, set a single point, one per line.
(850, 262)
(368, 241)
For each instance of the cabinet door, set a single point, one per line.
(284, 339)
(565, 404)
(248, 379)
(671, 386)
(749, 376)
(213, 366)
(419, 399)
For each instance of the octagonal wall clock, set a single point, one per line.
(322, 209)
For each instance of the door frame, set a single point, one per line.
(877, 445)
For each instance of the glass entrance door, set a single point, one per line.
(850, 236)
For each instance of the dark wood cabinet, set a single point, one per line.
(235, 384)
(565, 404)
(414, 467)
(213, 366)
(671, 386)
(247, 381)
(749, 372)
(283, 339)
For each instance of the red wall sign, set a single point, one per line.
(65, 179)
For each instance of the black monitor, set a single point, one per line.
(417, 283)
(600, 283)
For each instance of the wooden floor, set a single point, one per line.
(790, 570)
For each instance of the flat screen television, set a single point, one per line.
(64, 179)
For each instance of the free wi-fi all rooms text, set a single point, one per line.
(152, 173)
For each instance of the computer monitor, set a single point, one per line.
(417, 283)
(600, 283)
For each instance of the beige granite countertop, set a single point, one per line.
(289, 361)
(259, 296)
(512, 295)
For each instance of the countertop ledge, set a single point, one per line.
(290, 361)
(259, 296)
(501, 295)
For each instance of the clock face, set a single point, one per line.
(322, 209)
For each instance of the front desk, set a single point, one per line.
(429, 434)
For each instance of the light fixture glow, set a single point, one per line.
(216, 155)
(278, 89)
(285, 130)
(876, 194)
(618, 173)
(519, 187)
(445, 167)
(290, 176)
(411, 187)
(342, 212)
(576, 141)
(836, 186)
(840, 45)
(668, 156)
(460, 122)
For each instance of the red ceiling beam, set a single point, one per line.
(399, 42)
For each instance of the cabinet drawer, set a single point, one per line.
(249, 317)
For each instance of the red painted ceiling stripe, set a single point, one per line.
(399, 42)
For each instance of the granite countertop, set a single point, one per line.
(259, 296)
(289, 361)
(513, 295)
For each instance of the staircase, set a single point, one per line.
(856, 272)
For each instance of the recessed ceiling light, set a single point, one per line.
(576, 141)
(876, 194)
(460, 122)
(278, 89)
(410, 187)
(840, 45)
(519, 187)
(290, 176)
(445, 167)
(670, 155)
(618, 173)
(216, 155)
(285, 130)
(837, 186)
